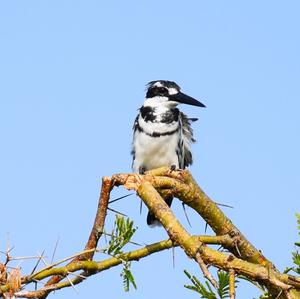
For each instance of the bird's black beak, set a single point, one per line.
(185, 99)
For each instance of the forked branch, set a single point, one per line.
(242, 257)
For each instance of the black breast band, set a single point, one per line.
(155, 134)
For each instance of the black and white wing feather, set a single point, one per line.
(184, 145)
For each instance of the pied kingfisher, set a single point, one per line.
(162, 134)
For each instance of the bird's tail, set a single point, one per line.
(151, 219)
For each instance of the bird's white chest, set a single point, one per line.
(153, 152)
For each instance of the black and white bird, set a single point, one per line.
(162, 134)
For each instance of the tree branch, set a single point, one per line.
(92, 268)
(96, 232)
(185, 188)
(243, 258)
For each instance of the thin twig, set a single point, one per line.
(232, 284)
(240, 266)
(98, 226)
(17, 258)
(205, 271)
(61, 261)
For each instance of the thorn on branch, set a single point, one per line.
(54, 250)
(117, 212)
(37, 263)
(141, 206)
(73, 286)
(119, 198)
(186, 215)
(206, 226)
(173, 257)
(237, 248)
(279, 294)
(223, 205)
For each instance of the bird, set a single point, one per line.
(162, 134)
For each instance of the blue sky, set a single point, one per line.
(72, 77)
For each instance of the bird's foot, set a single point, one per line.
(174, 172)
(142, 170)
(173, 167)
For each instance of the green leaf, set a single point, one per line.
(295, 254)
(121, 234)
(128, 278)
(204, 291)
(223, 289)
(287, 270)
(296, 261)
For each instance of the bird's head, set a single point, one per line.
(168, 94)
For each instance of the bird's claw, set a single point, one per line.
(142, 170)
(173, 167)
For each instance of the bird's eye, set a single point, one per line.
(157, 91)
(162, 91)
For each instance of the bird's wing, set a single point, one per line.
(135, 127)
(186, 131)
